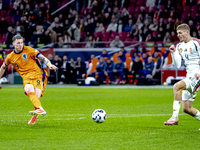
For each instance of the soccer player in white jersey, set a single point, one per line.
(185, 90)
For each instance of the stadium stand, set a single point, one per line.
(36, 20)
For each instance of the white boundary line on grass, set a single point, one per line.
(109, 116)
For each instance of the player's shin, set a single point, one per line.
(34, 99)
(176, 108)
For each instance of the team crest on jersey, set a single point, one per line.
(190, 49)
(180, 50)
(24, 56)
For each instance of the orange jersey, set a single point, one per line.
(25, 63)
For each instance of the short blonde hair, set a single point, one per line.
(183, 26)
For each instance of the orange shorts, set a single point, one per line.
(36, 82)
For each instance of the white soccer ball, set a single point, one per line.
(99, 115)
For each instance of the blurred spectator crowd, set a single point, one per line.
(116, 23)
(100, 24)
(121, 68)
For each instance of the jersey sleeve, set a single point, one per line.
(197, 45)
(176, 57)
(33, 52)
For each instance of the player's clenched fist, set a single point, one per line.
(52, 67)
(172, 48)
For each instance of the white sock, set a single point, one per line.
(41, 108)
(176, 108)
(197, 116)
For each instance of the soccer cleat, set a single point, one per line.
(38, 112)
(195, 84)
(172, 121)
(33, 120)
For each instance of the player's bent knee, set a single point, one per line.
(179, 86)
(29, 88)
(176, 87)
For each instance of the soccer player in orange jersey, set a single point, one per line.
(24, 59)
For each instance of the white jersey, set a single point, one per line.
(190, 52)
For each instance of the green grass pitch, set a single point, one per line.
(135, 120)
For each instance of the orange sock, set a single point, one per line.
(34, 99)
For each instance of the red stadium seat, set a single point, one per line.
(154, 8)
(58, 4)
(184, 15)
(107, 45)
(11, 6)
(106, 35)
(127, 41)
(105, 28)
(63, 3)
(3, 12)
(104, 39)
(83, 45)
(132, 1)
(139, 2)
(135, 39)
(4, 36)
(83, 9)
(179, 8)
(136, 15)
(122, 35)
(89, 10)
(147, 9)
(97, 34)
(82, 35)
(8, 12)
(113, 34)
(137, 9)
(111, 39)
(186, 8)
(8, 19)
(131, 9)
(162, 7)
(77, 45)
(193, 14)
(2, 41)
(12, 20)
(193, 9)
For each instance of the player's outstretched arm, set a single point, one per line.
(47, 62)
(2, 70)
(176, 58)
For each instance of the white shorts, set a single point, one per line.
(187, 94)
